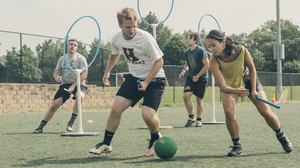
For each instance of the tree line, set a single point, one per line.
(39, 67)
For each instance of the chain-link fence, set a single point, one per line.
(10, 40)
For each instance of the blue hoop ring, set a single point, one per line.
(67, 39)
(138, 6)
(199, 30)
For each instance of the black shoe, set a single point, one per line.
(285, 142)
(38, 130)
(70, 126)
(236, 150)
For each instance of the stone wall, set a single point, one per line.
(24, 97)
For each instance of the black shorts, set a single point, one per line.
(198, 88)
(62, 93)
(248, 84)
(152, 95)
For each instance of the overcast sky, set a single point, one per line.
(54, 17)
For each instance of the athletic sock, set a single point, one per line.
(198, 119)
(191, 116)
(278, 132)
(154, 136)
(236, 141)
(108, 137)
(73, 117)
(42, 124)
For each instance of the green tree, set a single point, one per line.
(96, 70)
(261, 43)
(31, 72)
(14, 71)
(48, 54)
(291, 67)
(2, 58)
(163, 33)
(174, 50)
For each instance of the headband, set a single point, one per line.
(72, 41)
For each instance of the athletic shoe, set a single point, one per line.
(285, 142)
(190, 122)
(198, 124)
(101, 148)
(70, 126)
(38, 130)
(150, 151)
(236, 150)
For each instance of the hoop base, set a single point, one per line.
(160, 127)
(81, 134)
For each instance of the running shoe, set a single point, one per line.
(198, 124)
(38, 130)
(70, 126)
(285, 142)
(236, 150)
(101, 148)
(190, 122)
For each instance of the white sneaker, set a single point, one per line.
(198, 124)
(190, 122)
(150, 151)
(70, 126)
(101, 148)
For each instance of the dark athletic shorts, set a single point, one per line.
(152, 95)
(198, 88)
(62, 93)
(248, 84)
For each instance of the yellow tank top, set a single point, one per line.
(233, 71)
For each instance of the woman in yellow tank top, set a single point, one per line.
(235, 74)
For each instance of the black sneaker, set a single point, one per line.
(236, 150)
(70, 126)
(38, 130)
(285, 142)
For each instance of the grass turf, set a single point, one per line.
(206, 146)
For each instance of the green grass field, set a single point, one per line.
(197, 147)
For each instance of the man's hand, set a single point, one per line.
(195, 78)
(142, 86)
(105, 79)
(181, 75)
(58, 79)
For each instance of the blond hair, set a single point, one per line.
(126, 14)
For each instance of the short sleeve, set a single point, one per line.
(153, 50)
(59, 64)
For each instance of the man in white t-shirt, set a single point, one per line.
(145, 62)
(68, 82)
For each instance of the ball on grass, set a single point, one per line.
(165, 147)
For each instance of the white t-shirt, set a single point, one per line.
(76, 62)
(140, 53)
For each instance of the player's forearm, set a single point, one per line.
(111, 62)
(203, 70)
(56, 74)
(252, 74)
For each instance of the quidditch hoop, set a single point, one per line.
(199, 30)
(138, 6)
(67, 39)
